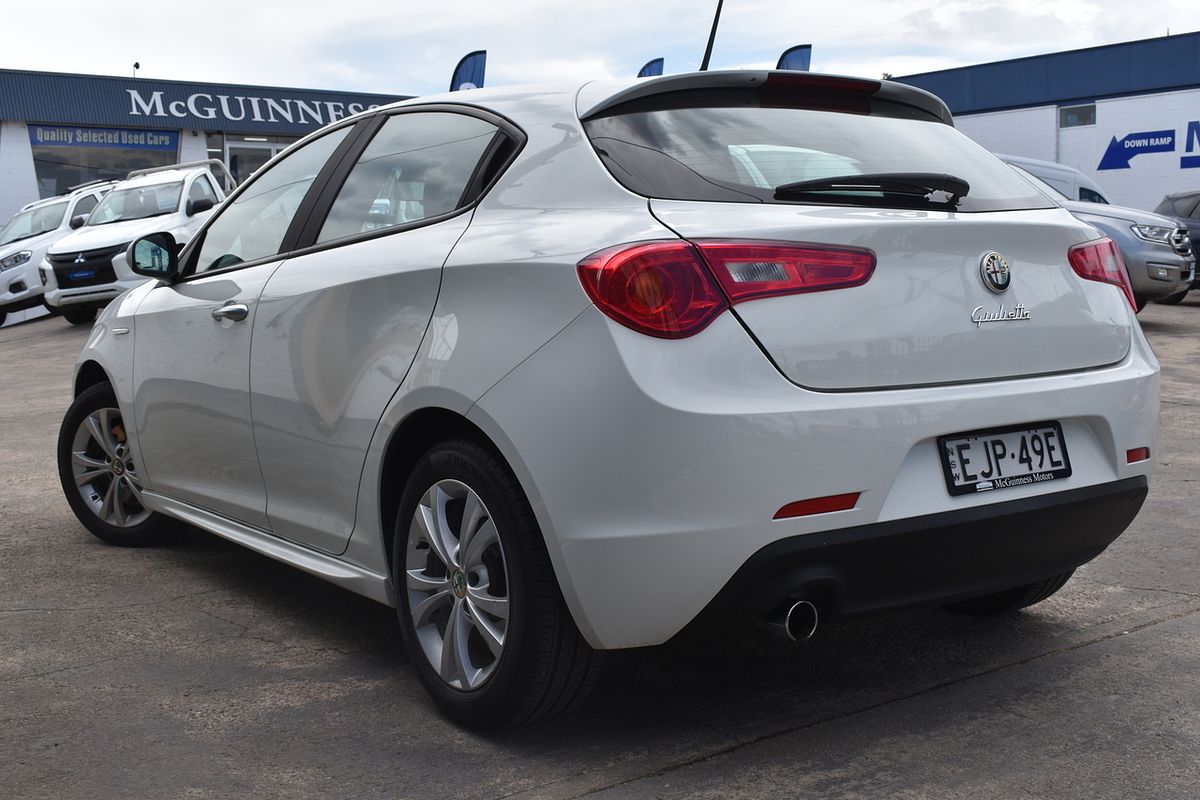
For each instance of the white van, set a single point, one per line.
(1068, 180)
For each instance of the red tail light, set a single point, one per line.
(1100, 260)
(656, 288)
(667, 289)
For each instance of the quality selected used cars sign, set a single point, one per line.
(63, 136)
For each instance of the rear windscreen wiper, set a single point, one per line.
(911, 184)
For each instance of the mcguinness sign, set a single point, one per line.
(231, 109)
(95, 101)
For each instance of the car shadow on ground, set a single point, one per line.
(738, 683)
(1167, 327)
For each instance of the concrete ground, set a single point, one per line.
(203, 670)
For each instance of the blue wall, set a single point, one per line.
(1142, 67)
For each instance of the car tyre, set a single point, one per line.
(99, 473)
(79, 316)
(1173, 299)
(1013, 599)
(492, 639)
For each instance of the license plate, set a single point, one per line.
(80, 274)
(983, 461)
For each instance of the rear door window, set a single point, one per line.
(416, 167)
(719, 145)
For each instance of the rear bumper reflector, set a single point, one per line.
(1137, 454)
(818, 505)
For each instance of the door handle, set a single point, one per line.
(231, 311)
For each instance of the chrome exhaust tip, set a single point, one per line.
(795, 621)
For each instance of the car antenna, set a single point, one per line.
(712, 35)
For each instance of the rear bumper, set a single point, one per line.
(681, 452)
(930, 560)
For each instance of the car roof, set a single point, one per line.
(1035, 162)
(58, 198)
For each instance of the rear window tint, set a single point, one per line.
(741, 152)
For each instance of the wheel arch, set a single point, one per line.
(415, 434)
(426, 426)
(90, 374)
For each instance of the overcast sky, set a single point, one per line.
(411, 47)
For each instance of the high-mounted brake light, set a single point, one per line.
(1100, 260)
(674, 289)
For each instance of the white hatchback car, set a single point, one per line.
(86, 269)
(553, 372)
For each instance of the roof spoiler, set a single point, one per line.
(230, 183)
(784, 80)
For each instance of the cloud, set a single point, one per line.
(411, 47)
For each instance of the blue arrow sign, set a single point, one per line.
(1120, 152)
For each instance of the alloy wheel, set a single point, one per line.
(458, 585)
(104, 470)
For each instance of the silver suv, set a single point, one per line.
(1157, 250)
(1184, 207)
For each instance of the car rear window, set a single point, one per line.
(734, 150)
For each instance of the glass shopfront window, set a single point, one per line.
(65, 156)
(246, 154)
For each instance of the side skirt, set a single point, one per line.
(348, 576)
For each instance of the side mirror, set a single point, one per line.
(196, 206)
(155, 256)
(78, 221)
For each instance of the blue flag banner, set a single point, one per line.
(469, 72)
(652, 68)
(797, 58)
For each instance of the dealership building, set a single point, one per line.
(59, 130)
(1128, 114)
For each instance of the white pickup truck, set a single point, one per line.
(26, 237)
(86, 269)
